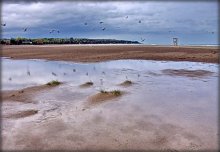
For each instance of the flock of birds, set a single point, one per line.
(58, 31)
(103, 29)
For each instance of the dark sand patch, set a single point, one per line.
(104, 96)
(126, 83)
(21, 114)
(187, 73)
(86, 85)
(152, 74)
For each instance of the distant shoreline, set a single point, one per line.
(106, 52)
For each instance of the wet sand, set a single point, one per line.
(96, 53)
(21, 114)
(24, 95)
(101, 97)
(114, 124)
(156, 113)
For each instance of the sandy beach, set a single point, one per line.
(96, 53)
(142, 104)
(109, 76)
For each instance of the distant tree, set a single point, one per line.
(40, 41)
(13, 41)
(71, 40)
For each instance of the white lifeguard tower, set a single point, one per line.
(175, 41)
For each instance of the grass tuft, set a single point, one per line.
(89, 83)
(53, 83)
(114, 92)
(103, 91)
(128, 82)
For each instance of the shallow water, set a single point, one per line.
(158, 111)
(17, 74)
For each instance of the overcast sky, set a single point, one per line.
(192, 22)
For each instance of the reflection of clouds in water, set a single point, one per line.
(178, 101)
(14, 72)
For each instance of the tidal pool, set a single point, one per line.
(170, 105)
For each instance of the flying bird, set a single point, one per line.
(126, 17)
(171, 31)
(3, 24)
(139, 21)
(25, 29)
(54, 31)
(54, 74)
(101, 22)
(142, 40)
(103, 29)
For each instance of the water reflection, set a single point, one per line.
(18, 74)
(156, 108)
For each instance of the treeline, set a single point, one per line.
(41, 41)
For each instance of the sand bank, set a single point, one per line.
(96, 53)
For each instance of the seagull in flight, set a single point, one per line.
(3, 24)
(139, 21)
(54, 31)
(25, 29)
(142, 40)
(54, 74)
(101, 22)
(103, 29)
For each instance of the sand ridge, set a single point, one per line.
(187, 73)
(24, 95)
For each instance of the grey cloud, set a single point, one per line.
(69, 17)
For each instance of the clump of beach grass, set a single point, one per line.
(89, 83)
(114, 92)
(104, 95)
(103, 91)
(53, 83)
